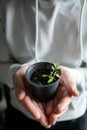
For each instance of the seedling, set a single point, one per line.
(54, 73)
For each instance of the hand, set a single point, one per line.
(45, 113)
(35, 108)
(66, 91)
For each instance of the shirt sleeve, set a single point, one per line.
(80, 73)
(8, 64)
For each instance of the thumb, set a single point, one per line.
(72, 88)
(67, 80)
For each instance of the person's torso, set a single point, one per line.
(58, 35)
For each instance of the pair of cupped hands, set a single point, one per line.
(46, 113)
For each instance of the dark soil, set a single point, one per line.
(37, 77)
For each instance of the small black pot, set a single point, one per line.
(43, 92)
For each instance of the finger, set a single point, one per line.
(67, 80)
(36, 111)
(20, 92)
(63, 104)
(71, 86)
(54, 117)
(31, 107)
(43, 120)
(49, 107)
(19, 85)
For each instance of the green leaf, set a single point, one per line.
(44, 75)
(53, 68)
(51, 80)
(57, 75)
(54, 73)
